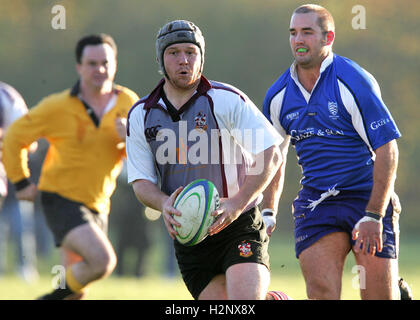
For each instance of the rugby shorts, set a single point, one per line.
(340, 213)
(63, 215)
(244, 240)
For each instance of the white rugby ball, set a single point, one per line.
(196, 203)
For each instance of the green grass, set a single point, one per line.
(286, 276)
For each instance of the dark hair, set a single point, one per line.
(92, 40)
(325, 19)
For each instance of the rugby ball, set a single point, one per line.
(196, 202)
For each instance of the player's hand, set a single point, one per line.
(368, 235)
(269, 220)
(121, 127)
(271, 225)
(226, 213)
(27, 193)
(168, 212)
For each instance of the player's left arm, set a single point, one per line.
(384, 176)
(369, 232)
(231, 208)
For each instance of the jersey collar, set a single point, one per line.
(75, 90)
(324, 65)
(155, 96)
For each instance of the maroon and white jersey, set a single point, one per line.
(214, 136)
(12, 107)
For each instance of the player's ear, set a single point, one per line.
(330, 38)
(78, 67)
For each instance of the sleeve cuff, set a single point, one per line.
(22, 184)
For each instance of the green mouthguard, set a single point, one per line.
(302, 50)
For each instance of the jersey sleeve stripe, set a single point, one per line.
(361, 121)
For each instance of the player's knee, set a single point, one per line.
(110, 263)
(104, 265)
(320, 289)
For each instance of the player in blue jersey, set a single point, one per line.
(330, 109)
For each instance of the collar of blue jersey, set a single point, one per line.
(325, 63)
(75, 90)
(153, 98)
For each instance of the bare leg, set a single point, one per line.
(322, 266)
(247, 281)
(381, 277)
(215, 290)
(90, 252)
(243, 281)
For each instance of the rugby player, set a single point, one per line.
(85, 128)
(188, 128)
(12, 107)
(330, 109)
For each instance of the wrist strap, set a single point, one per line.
(373, 215)
(267, 212)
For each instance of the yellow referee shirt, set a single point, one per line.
(83, 160)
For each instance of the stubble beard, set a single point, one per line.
(183, 85)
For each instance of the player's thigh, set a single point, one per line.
(322, 265)
(91, 243)
(215, 289)
(247, 281)
(378, 277)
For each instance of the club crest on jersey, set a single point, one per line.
(200, 121)
(245, 250)
(333, 109)
(292, 116)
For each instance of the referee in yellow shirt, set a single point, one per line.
(85, 127)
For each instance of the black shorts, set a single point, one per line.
(63, 215)
(244, 240)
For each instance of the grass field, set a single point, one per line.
(285, 276)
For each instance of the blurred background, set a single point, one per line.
(246, 46)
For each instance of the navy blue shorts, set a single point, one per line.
(339, 213)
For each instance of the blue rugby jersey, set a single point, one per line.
(336, 128)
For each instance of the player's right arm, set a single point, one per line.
(142, 172)
(18, 138)
(151, 196)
